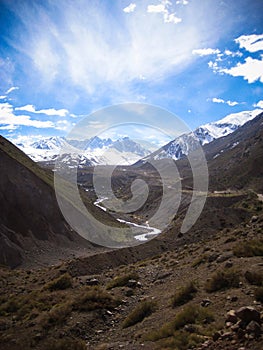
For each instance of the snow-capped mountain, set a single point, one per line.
(85, 152)
(225, 126)
(127, 145)
(186, 143)
(50, 143)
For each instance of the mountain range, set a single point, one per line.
(203, 135)
(95, 151)
(172, 292)
(125, 151)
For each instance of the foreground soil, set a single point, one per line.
(178, 299)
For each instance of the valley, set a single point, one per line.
(200, 289)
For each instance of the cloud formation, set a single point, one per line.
(10, 120)
(49, 111)
(11, 89)
(220, 100)
(87, 49)
(251, 43)
(182, 2)
(164, 8)
(129, 8)
(205, 52)
(251, 70)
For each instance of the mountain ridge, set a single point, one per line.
(204, 134)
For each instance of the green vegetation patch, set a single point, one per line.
(65, 343)
(144, 309)
(222, 279)
(60, 283)
(93, 298)
(249, 248)
(255, 278)
(191, 314)
(121, 281)
(184, 294)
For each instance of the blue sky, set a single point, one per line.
(62, 60)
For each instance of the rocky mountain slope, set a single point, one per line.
(200, 290)
(203, 135)
(31, 224)
(234, 161)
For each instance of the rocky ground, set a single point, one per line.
(204, 295)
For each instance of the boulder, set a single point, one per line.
(248, 314)
(254, 328)
(205, 302)
(92, 282)
(132, 283)
(224, 257)
(231, 316)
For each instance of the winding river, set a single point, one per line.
(150, 231)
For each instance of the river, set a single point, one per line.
(150, 231)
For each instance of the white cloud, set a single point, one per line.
(85, 49)
(2, 97)
(11, 89)
(251, 43)
(182, 2)
(49, 111)
(7, 117)
(259, 104)
(251, 70)
(220, 100)
(205, 52)
(156, 8)
(233, 54)
(129, 8)
(63, 125)
(163, 8)
(9, 127)
(213, 65)
(232, 103)
(171, 18)
(217, 100)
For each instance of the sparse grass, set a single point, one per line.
(255, 278)
(249, 248)
(202, 259)
(56, 315)
(259, 294)
(60, 283)
(121, 281)
(191, 314)
(92, 298)
(184, 294)
(22, 305)
(222, 280)
(65, 344)
(144, 309)
(181, 340)
(10, 306)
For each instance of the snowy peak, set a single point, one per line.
(50, 143)
(86, 152)
(225, 126)
(96, 142)
(127, 145)
(186, 143)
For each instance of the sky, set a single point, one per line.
(61, 61)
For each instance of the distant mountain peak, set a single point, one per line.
(87, 152)
(204, 134)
